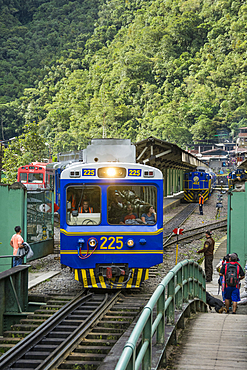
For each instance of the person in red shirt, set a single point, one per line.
(130, 215)
(16, 242)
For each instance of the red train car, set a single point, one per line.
(37, 175)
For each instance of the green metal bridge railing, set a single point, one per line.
(186, 281)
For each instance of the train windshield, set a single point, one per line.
(131, 205)
(83, 205)
(36, 177)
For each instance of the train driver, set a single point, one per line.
(85, 208)
(130, 215)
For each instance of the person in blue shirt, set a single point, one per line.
(149, 217)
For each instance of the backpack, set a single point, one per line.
(231, 273)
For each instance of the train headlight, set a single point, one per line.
(92, 242)
(111, 172)
(130, 243)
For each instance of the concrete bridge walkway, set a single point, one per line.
(211, 340)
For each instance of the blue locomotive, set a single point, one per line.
(236, 176)
(202, 181)
(111, 217)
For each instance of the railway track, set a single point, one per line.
(79, 335)
(177, 221)
(197, 232)
(49, 304)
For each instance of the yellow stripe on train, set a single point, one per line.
(73, 233)
(104, 252)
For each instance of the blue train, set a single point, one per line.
(202, 181)
(111, 216)
(236, 176)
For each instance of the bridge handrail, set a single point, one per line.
(185, 281)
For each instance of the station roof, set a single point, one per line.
(214, 152)
(162, 154)
(243, 165)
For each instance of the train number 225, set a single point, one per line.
(111, 242)
(134, 172)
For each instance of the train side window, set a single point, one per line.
(23, 177)
(51, 182)
(131, 205)
(83, 205)
(46, 180)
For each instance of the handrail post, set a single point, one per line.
(200, 283)
(185, 276)
(204, 287)
(196, 287)
(171, 307)
(192, 283)
(179, 295)
(147, 336)
(131, 364)
(160, 338)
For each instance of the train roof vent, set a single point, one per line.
(74, 174)
(110, 150)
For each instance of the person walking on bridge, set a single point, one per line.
(201, 202)
(208, 250)
(233, 273)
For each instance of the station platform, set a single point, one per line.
(38, 277)
(172, 201)
(212, 340)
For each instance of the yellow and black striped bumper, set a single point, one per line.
(190, 196)
(89, 280)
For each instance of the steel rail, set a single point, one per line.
(15, 353)
(206, 226)
(176, 215)
(70, 343)
(192, 235)
(191, 207)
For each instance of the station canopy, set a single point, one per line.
(162, 154)
(243, 165)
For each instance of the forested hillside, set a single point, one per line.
(173, 69)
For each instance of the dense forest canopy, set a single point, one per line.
(123, 68)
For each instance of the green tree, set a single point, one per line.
(28, 147)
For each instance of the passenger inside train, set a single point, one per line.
(125, 205)
(129, 216)
(150, 216)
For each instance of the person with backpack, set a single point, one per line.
(208, 250)
(233, 273)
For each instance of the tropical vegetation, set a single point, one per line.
(82, 69)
